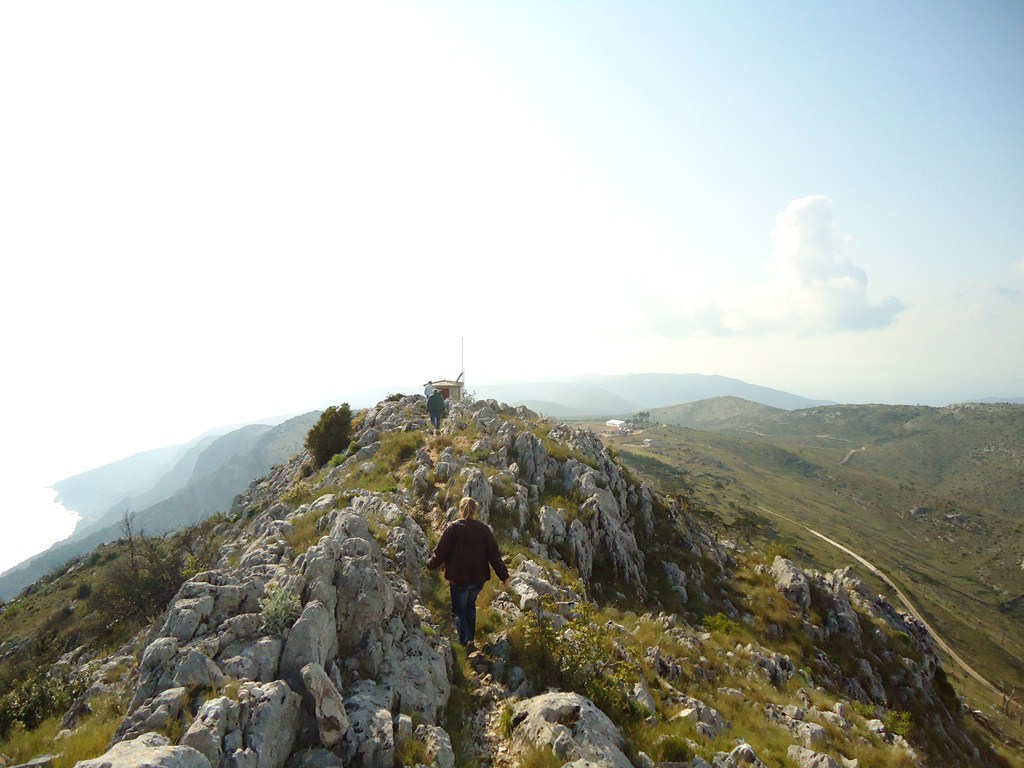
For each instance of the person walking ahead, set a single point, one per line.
(468, 551)
(435, 407)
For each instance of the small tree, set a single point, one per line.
(330, 434)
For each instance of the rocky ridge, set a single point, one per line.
(317, 639)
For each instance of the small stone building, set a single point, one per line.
(452, 390)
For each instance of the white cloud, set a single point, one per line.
(812, 286)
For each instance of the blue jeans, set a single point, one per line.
(464, 609)
(435, 419)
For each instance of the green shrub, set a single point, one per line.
(40, 696)
(720, 623)
(897, 721)
(506, 721)
(280, 608)
(576, 658)
(673, 749)
(330, 435)
(537, 756)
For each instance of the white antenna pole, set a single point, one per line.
(462, 362)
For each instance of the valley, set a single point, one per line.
(933, 497)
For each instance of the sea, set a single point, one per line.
(33, 521)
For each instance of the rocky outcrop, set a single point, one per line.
(571, 726)
(792, 582)
(310, 644)
(706, 720)
(355, 652)
(151, 750)
(806, 758)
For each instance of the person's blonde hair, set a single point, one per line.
(468, 507)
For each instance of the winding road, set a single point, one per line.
(899, 594)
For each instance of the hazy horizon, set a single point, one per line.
(52, 522)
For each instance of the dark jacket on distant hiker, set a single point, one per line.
(435, 403)
(468, 551)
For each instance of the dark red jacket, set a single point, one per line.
(468, 551)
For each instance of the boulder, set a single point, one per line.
(270, 722)
(571, 725)
(792, 583)
(215, 730)
(476, 485)
(806, 758)
(331, 717)
(438, 745)
(370, 740)
(151, 750)
(707, 720)
(313, 639)
(552, 525)
(742, 755)
(155, 714)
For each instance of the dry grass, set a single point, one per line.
(87, 741)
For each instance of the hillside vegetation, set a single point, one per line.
(304, 630)
(933, 496)
(202, 482)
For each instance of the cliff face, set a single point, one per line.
(627, 636)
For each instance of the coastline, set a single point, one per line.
(35, 521)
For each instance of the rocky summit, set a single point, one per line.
(628, 635)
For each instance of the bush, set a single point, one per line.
(720, 623)
(280, 608)
(898, 721)
(576, 659)
(41, 695)
(330, 434)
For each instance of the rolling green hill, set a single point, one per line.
(933, 496)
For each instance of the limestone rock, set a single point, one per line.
(438, 745)
(806, 758)
(792, 583)
(707, 720)
(157, 714)
(150, 750)
(476, 485)
(331, 717)
(313, 639)
(370, 739)
(571, 725)
(742, 755)
(215, 730)
(270, 721)
(552, 525)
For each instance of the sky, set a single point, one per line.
(214, 213)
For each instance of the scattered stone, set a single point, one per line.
(806, 758)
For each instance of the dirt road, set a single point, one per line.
(899, 594)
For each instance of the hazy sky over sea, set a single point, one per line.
(216, 212)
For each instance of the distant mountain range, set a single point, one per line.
(165, 489)
(594, 397)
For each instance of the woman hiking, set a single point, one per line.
(467, 551)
